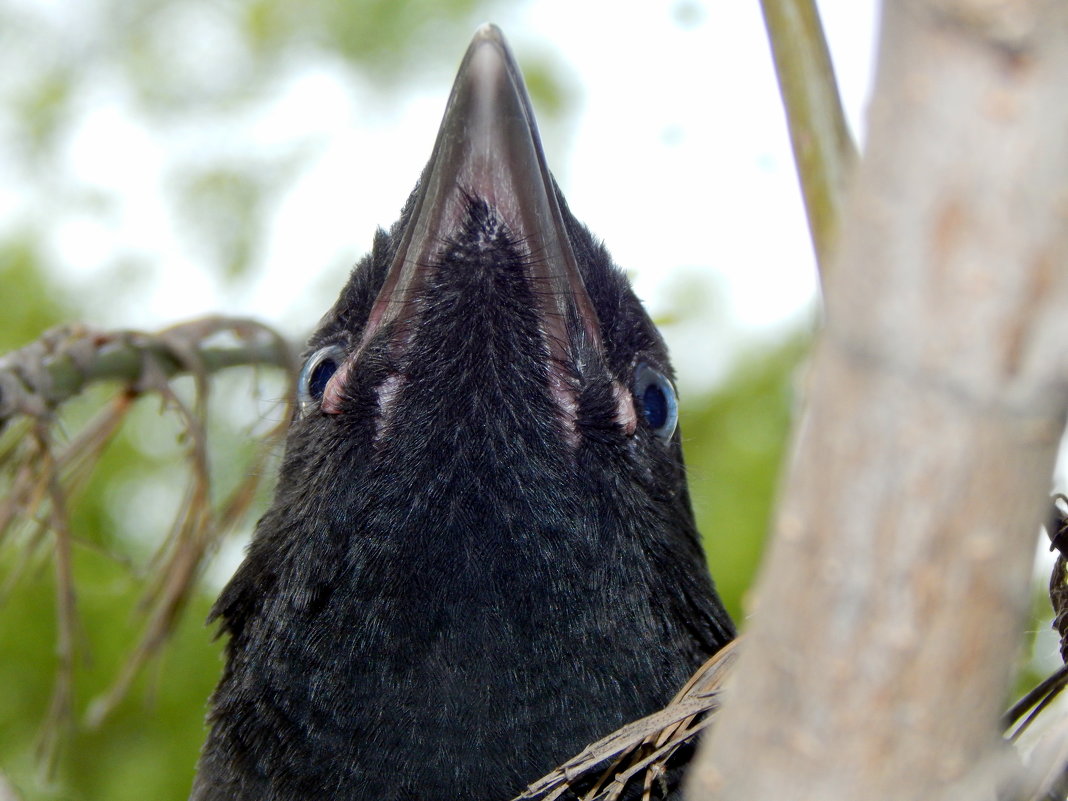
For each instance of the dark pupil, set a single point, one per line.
(320, 375)
(655, 405)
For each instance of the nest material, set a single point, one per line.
(643, 750)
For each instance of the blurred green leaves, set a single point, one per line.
(735, 440)
(148, 748)
(41, 109)
(35, 302)
(227, 204)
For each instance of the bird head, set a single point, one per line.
(481, 553)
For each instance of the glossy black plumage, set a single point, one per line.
(480, 556)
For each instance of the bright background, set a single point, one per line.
(179, 156)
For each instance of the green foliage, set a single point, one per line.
(34, 301)
(42, 109)
(369, 33)
(148, 748)
(227, 204)
(178, 68)
(734, 441)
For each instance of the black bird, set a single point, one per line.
(481, 554)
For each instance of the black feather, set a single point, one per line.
(479, 557)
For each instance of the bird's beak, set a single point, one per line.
(488, 148)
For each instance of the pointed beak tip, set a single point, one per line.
(488, 32)
(488, 59)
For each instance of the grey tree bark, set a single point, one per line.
(887, 614)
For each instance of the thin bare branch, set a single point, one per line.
(59, 713)
(61, 363)
(824, 151)
(39, 484)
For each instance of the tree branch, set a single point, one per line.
(888, 611)
(824, 152)
(61, 363)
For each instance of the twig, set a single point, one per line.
(645, 745)
(58, 366)
(59, 712)
(823, 149)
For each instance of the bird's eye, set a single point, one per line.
(656, 400)
(316, 373)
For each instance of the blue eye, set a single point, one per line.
(316, 374)
(656, 400)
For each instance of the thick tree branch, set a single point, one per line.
(823, 149)
(889, 607)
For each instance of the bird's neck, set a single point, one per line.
(490, 632)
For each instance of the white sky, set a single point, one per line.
(677, 157)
